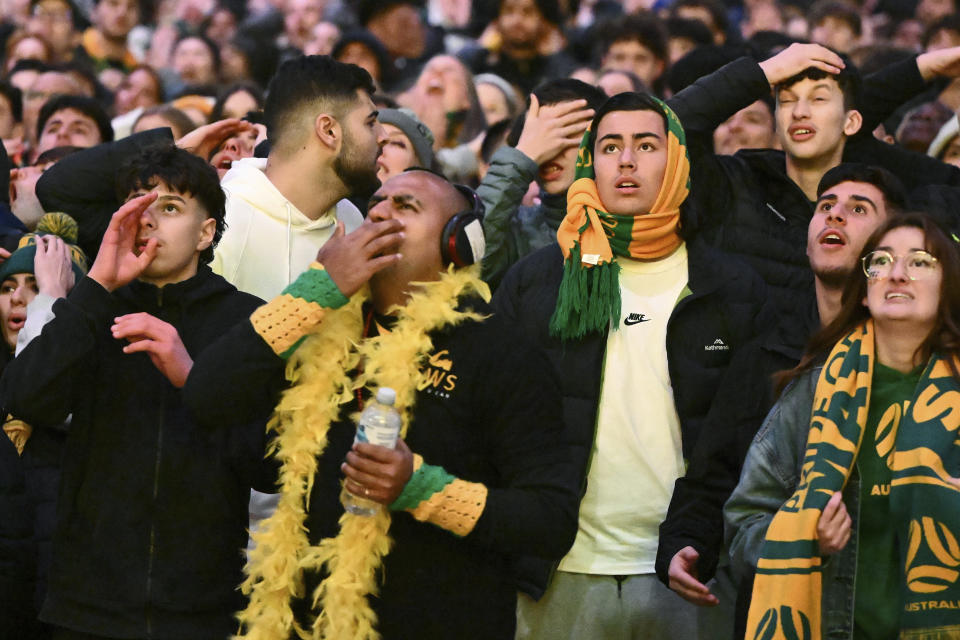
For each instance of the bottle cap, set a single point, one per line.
(386, 395)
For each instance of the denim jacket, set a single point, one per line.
(770, 476)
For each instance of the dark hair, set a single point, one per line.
(848, 80)
(549, 9)
(696, 64)
(87, 106)
(645, 28)
(15, 97)
(157, 80)
(495, 138)
(626, 101)
(311, 80)
(894, 193)
(718, 12)
(840, 10)
(367, 10)
(636, 83)
(225, 95)
(261, 56)
(943, 338)
(77, 17)
(368, 40)
(181, 171)
(693, 30)
(950, 22)
(207, 42)
(178, 118)
(555, 92)
(56, 154)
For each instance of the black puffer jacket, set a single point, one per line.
(152, 508)
(747, 205)
(726, 304)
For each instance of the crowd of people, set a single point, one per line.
(666, 293)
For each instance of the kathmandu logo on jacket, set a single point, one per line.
(718, 345)
(635, 318)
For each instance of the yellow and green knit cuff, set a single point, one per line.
(284, 322)
(433, 495)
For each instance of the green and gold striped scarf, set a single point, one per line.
(920, 443)
(591, 238)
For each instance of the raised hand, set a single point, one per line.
(52, 266)
(833, 527)
(351, 259)
(159, 340)
(203, 141)
(549, 130)
(683, 579)
(798, 57)
(941, 62)
(117, 261)
(378, 473)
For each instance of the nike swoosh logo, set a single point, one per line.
(630, 322)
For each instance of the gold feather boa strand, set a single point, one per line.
(320, 383)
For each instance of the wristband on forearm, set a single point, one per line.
(433, 495)
(284, 322)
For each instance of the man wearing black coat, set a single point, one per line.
(639, 368)
(153, 508)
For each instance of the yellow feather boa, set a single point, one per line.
(320, 384)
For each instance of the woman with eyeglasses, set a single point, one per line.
(848, 506)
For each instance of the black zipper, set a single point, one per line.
(156, 491)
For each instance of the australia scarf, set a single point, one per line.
(591, 239)
(920, 444)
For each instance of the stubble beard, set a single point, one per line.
(360, 179)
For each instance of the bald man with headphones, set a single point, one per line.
(482, 474)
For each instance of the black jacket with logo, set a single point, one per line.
(152, 508)
(488, 411)
(724, 310)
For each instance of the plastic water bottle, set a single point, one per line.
(379, 424)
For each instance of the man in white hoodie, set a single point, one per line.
(323, 131)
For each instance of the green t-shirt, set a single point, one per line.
(876, 613)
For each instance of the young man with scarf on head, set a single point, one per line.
(649, 322)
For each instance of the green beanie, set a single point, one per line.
(57, 224)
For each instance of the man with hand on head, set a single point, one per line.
(547, 138)
(480, 474)
(138, 470)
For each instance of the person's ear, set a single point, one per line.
(328, 131)
(852, 122)
(208, 229)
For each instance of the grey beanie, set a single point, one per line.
(419, 135)
(513, 104)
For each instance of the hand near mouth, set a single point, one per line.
(118, 262)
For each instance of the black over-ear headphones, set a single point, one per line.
(462, 242)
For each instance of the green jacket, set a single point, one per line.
(513, 231)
